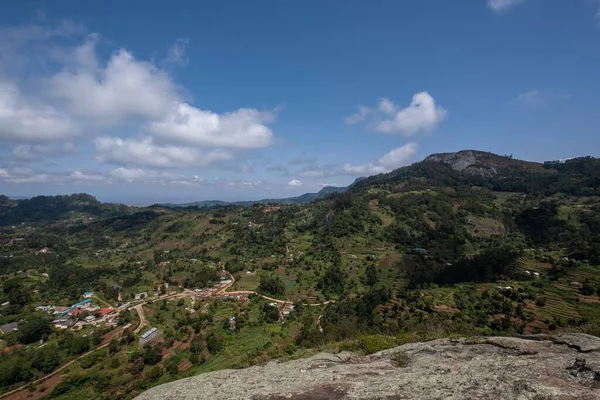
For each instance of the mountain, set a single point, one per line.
(482, 163)
(302, 199)
(41, 209)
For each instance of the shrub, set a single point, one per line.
(401, 359)
(374, 343)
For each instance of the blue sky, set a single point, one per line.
(246, 100)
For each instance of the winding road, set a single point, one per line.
(143, 322)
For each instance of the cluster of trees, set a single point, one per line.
(271, 284)
(498, 261)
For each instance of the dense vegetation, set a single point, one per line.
(499, 248)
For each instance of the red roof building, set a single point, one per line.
(105, 311)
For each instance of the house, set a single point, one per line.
(141, 296)
(105, 311)
(87, 295)
(43, 250)
(8, 328)
(44, 308)
(148, 336)
(75, 312)
(420, 250)
(6, 303)
(90, 318)
(536, 274)
(63, 323)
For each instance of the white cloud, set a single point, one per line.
(3, 173)
(78, 176)
(242, 129)
(422, 115)
(393, 159)
(359, 116)
(146, 153)
(295, 183)
(319, 171)
(68, 89)
(530, 98)
(399, 156)
(176, 54)
(535, 97)
(122, 90)
(245, 184)
(26, 120)
(38, 151)
(503, 5)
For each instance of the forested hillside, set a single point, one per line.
(458, 244)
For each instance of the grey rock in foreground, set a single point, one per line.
(536, 367)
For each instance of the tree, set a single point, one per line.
(214, 343)
(152, 355)
(34, 330)
(172, 369)
(271, 284)
(270, 313)
(113, 347)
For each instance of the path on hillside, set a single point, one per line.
(240, 292)
(143, 320)
(62, 367)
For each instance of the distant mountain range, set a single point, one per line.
(302, 199)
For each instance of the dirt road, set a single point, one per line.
(61, 368)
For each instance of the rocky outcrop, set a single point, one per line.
(472, 162)
(534, 367)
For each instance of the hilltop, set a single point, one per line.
(478, 368)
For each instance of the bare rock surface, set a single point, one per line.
(535, 367)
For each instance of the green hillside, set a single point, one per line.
(461, 243)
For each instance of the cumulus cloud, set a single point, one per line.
(295, 183)
(125, 88)
(147, 153)
(393, 159)
(422, 115)
(243, 128)
(503, 5)
(83, 92)
(27, 120)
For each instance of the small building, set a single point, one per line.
(420, 250)
(9, 328)
(6, 303)
(105, 311)
(148, 336)
(536, 274)
(64, 323)
(90, 318)
(43, 250)
(141, 296)
(87, 295)
(44, 308)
